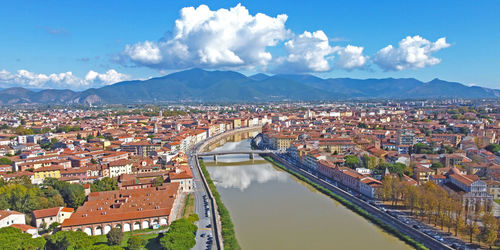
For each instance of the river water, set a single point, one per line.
(271, 209)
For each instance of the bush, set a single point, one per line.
(135, 243)
(180, 235)
(115, 237)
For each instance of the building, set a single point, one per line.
(117, 168)
(141, 148)
(475, 190)
(125, 209)
(405, 137)
(45, 217)
(493, 188)
(184, 177)
(9, 218)
(422, 174)
(40, 174)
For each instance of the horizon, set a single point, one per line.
(49, 47)
(246, 75)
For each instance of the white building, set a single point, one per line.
(117, 168)
(8, 218)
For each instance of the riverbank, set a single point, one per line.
(408, 240)
(228, 233)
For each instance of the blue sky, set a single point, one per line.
(80, 44)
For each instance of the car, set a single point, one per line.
(416, 226)
(209, 225)
(202, 235)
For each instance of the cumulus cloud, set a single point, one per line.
(25, 78)
(211, 39)
(308, 52)
(351, 57)
(413, 53)
(312, 52)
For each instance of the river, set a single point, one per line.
(271, 209)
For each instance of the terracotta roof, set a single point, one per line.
(48, 212)
(119, 205)
(23, 227)
(5, 213)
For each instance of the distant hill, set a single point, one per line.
(197, 85)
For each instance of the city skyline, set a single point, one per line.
(110, 42)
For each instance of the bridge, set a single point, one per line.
(250, 153)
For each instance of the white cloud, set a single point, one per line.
(413, 53)
(351, 57)
(110, 77)
(308, 52)
(212, 39)
(25, 78)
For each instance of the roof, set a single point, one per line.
(23, 227)
(5, 213)
(120, 205)
(48, 212)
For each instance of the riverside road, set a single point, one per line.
(374, 211)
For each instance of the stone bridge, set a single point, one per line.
(250, 153)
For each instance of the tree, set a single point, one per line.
(70, 240)
(180, 234)
(5, 161)
(494, 148)
(370, 161)
(134, 243)
(53, 226)
(490, 231)
(158, 181)
(351, 161)
(178, 240)
(104, 184)
(14, 238)
(436, 165)
(115, 236)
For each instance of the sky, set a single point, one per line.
(83, 44)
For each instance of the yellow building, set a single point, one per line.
(40, 174)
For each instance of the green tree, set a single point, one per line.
(158, 181)
(115, 236)
(178, 240)
(494, 148)
(351, 161)
(135, 243)
(5, 161)
(53, 226)
(104, 184)
(14, 238)
(180, 234)
(70, 240)
(436, 165)
(370, 161)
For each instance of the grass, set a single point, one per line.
(497, 201)
(228, 233)
(189, 206)
(352, 207)
(150, 239)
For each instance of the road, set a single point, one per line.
(204, 233)
(374, 211)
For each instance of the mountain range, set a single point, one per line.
(197, 85)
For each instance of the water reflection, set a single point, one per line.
(241, 177)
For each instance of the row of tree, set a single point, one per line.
(433, 204)
(22, 196)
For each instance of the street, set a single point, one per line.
(204, 235)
